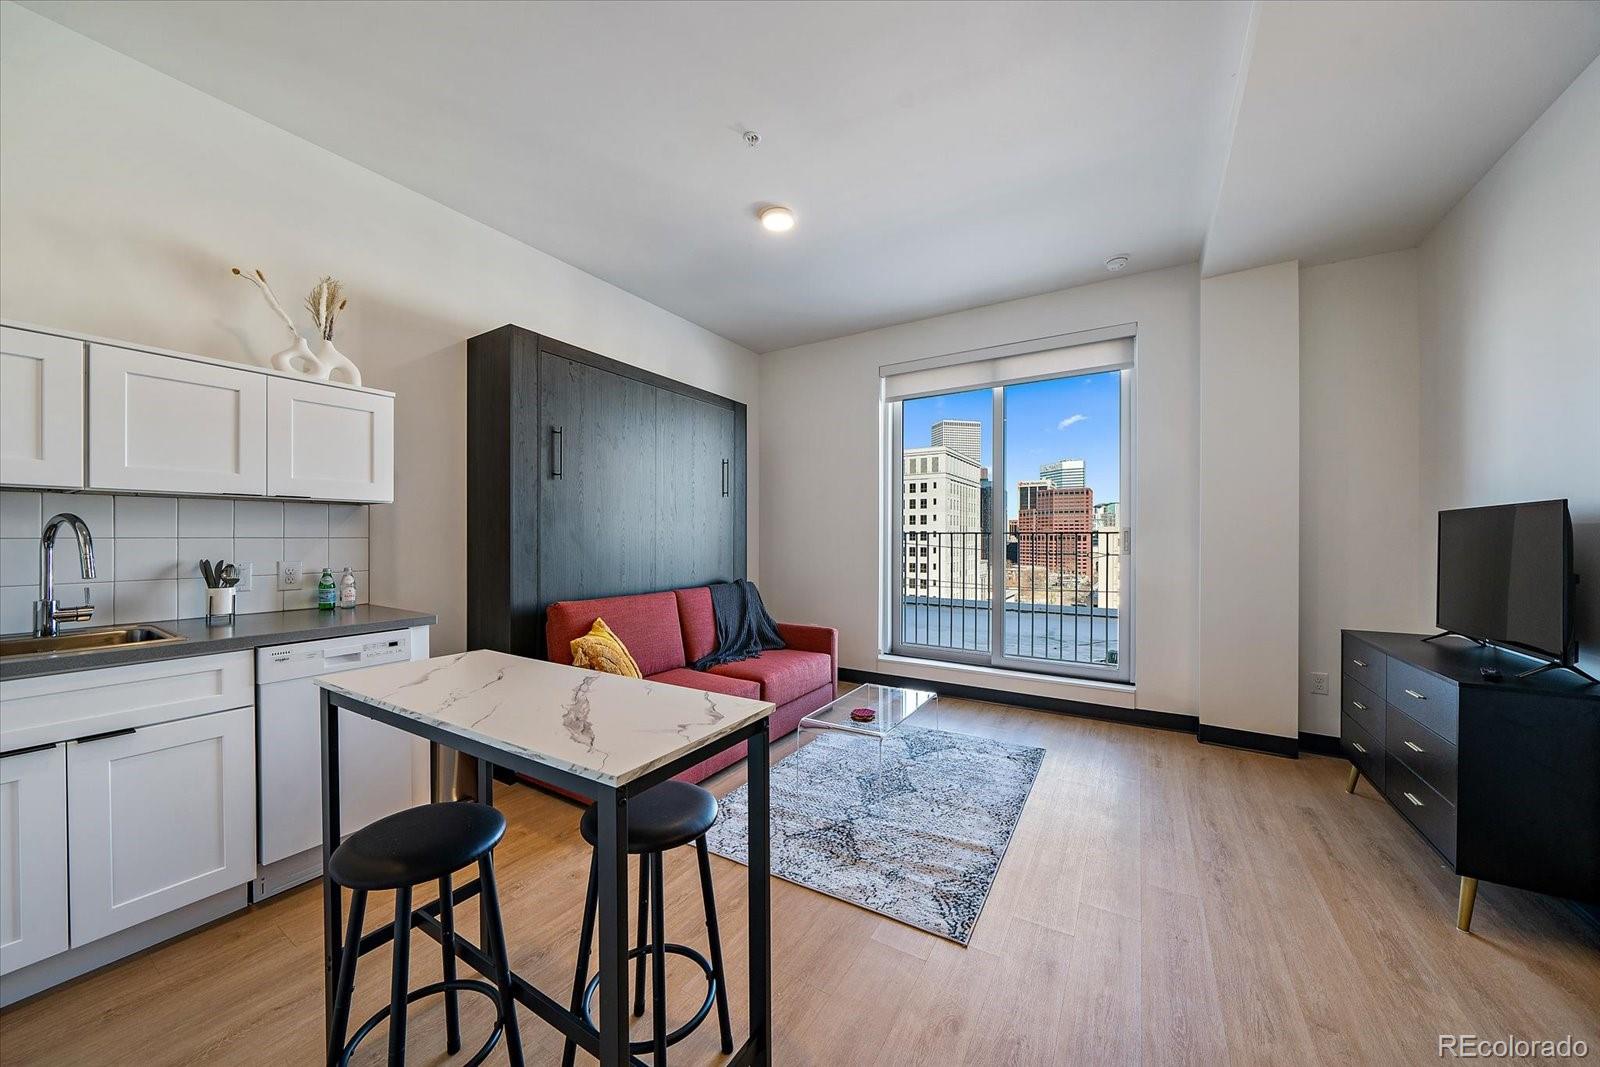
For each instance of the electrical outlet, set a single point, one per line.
(247, 577)
(290, 575)
(1319, 683)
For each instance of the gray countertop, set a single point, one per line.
(246, 632)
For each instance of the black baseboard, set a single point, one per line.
(1271, 744)
(1320, 745)
(1160, 720)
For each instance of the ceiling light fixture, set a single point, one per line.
(1117, 264)
(777, 219)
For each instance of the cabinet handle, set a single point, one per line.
(1412, 797)
(724, 477)
(558, 451)
(1357, 746)
(25, 751)
(1412, 745)
(1414, 695)
(1358, 705)
(1358, 663)
(106, 735)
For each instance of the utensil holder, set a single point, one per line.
(220, 604)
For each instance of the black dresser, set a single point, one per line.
(1501, 778)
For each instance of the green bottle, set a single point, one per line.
(327, 592)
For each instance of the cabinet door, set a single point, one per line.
(329, 443)
(162, 424)
(162, 816)
(598, 482)
(33, 856)
(41, 409)
(695, 467)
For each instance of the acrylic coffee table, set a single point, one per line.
(893, 705)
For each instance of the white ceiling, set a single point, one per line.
(938, 155)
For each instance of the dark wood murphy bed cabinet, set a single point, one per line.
(587, 477)
(1501, 778)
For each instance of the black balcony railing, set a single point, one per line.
(1061, 601)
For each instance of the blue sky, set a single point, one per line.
(1065, 418)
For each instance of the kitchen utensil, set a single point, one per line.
(209, 574)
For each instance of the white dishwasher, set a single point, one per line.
(381, 769)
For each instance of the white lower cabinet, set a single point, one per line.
(161, 816)
(33, 856)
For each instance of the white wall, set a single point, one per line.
(820, 463)
(1249, 433)
(1510, 328)
(1360, 441)
(125, 196)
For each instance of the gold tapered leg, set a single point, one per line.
(1468, 897)
(1350, 782)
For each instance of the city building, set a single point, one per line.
(1054, 534)
(1105, 516)
(942, 547)
(959, 435)
(1106, 548)
(1026, 494)
(1064, 474)
(985, 509)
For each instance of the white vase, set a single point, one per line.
(332, 360)
(299, 359)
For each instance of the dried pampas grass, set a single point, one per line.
(325, 303)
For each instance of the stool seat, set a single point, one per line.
(662, 817)
(416, 845)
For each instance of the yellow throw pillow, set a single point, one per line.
(601, 650)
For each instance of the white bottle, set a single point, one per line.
(347, 589)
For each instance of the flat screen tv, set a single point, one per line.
(1505, 576)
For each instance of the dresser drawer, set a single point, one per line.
(1362, 705)
(1362, 749)
(1425, 697)
(1430, 813)
(1364, 664)
(1429, 755)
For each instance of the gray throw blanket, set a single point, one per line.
(744, 629)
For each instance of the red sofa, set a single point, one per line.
(665, 632)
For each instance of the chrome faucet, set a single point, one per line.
(47, 614)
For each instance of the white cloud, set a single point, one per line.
(1070, 420)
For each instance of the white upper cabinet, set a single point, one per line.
(41, 409)
(169, 425)
(329, 443)
(33, 856)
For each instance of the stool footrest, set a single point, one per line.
(460, 985)
(687, 1028)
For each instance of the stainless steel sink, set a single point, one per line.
(98, 639)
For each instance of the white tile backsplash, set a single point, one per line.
(146, 559)
(148, 551)
(347, 520)
(147, 516)
(19, 514)
(19, 560)
(191, 550)
(258, 518)
(93, 509)
(145, 601)
(205, 518)
(305, 520)
(347, 552)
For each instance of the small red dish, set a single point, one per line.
(864, 714)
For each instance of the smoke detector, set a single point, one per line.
(1117, 263)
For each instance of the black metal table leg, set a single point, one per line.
(331, 902)
(612, 870)
(760, 871)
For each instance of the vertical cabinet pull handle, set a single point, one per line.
(1358, 705)
(558, 451)
(1358, 663)
(724, 477)
(1413, 798)
(1413, 746)
(1414, 695)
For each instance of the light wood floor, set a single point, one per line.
(1162, 901)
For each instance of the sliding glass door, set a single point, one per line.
(1010, 540)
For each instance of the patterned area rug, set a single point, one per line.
(919, 840)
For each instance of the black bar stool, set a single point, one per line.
(408, 848)
(663, 817)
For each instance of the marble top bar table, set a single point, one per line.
(600, 736)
